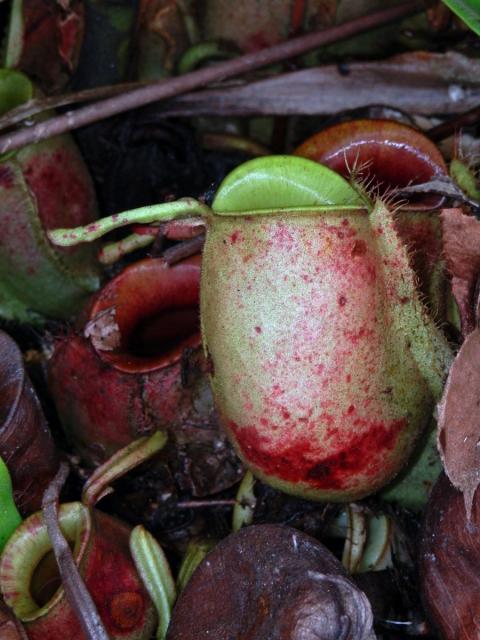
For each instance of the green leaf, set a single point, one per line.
(15, 90)
(194, 555)
(468, 11)
(9, 517)
(246, 500)
(412, 487)
(154, 570)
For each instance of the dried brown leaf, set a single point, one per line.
(461, 237)
(104, 331)
(458, 420)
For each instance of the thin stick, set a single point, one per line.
(197, 504)
(75, 590)
(39, 105)
(176, 86)
(452, 125)
(184, 250)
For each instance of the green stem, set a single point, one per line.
(10, 519)
(245, 503)
(113, 251)
(97, 486)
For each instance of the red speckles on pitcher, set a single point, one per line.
(326, 350)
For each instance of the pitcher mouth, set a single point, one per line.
(29, 579)
(385, 153)
(156, 311)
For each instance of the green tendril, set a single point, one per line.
(195, 554)
(183, 208)
(113, 251)
(204, 52)
(138, 451)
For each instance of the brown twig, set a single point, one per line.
(197, 504)
(176, 86)
(39, 105)
(75, 590)
(451, 126)
(184, 250)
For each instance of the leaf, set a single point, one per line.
(138, 451)
(154, 570)
(459, 435)
(468, 11)
(9, 516)
(411, 488)
(461, 238)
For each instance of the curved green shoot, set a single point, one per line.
(154, 570)
(15, 90)
(138, 451)
(196, 552)
(245, 502)
(377, 553)
(10, 519)
(203, 52)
